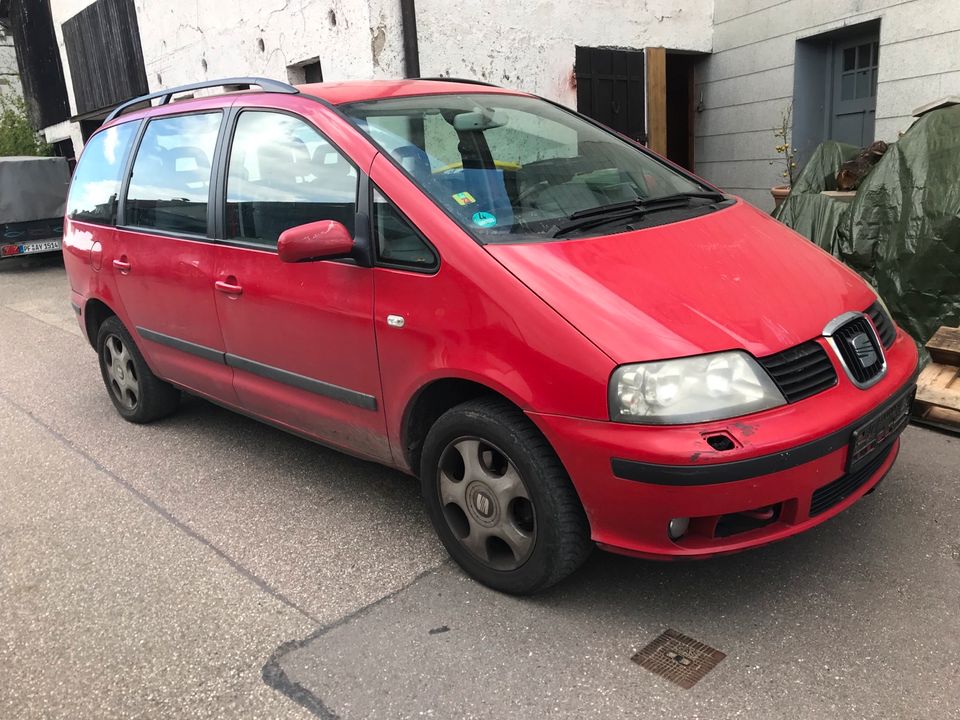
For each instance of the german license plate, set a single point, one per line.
(29, 248)
(879, 432)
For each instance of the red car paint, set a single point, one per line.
(542, 324)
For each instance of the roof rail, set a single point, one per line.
(466, 81)
(265, 84)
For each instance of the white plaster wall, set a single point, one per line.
(192, 40)
(530, 44)
(748, 80)
(353, 39)
(177, 37)
(9, 77)
(527, 45)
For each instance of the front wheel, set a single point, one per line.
(500, 499)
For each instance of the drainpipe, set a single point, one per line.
(411, 50)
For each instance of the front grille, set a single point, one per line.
(842, 488)
(882, 322)
(845, 338)
(801, 371)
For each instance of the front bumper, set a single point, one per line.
(786, 472)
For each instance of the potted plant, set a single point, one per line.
(787, 157)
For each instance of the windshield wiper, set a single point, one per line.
(645, 203)
(591, 217)
(714, 195)
(606, 209)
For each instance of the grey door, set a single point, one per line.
(855, 62)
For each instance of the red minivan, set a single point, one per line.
(570, 340)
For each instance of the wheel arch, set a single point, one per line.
(433, 399)
(95, 311)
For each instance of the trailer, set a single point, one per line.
(33, 192)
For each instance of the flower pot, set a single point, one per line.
(779, 193)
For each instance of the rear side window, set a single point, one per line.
(170, 184)
(96, 182)
(283, 173)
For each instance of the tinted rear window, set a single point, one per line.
(170, 184)
(96, 182)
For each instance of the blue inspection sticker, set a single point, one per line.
(484, 219)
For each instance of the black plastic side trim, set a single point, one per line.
(218, 174)
(207, 353)
(335, 392)
(119, 216)
(717, 473)
(351, 397)
(363, 231)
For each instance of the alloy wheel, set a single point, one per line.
(121, 372)
(486, 503)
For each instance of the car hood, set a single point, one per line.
(735, 278)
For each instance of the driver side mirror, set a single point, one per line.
(321, 240)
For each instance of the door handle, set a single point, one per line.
(122, 264)
(229, 286)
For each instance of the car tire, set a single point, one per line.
(500, 499)
(137, 394)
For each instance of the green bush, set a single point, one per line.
(17, 136)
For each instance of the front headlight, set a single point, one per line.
(689, 390)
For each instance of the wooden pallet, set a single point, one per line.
(938, 388)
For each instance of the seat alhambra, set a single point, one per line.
(569, 340)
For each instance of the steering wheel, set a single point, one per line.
(533, 191)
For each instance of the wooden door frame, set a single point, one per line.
(656, 68)
(660, 80)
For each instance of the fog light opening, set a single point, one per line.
(678, 527)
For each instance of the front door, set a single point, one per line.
(855, 63)
(163, 258)
(299, 337)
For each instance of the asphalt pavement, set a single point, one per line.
(208, 566)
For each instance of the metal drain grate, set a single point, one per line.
(678, 658)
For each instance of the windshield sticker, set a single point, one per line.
(484, 219)
(463, 198)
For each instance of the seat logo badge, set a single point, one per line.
(483, 504)
(864, 349)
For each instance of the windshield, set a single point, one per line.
(507, 165)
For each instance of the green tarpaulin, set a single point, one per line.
(902, 230)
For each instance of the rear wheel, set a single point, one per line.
(500, 499)
(137, 394)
